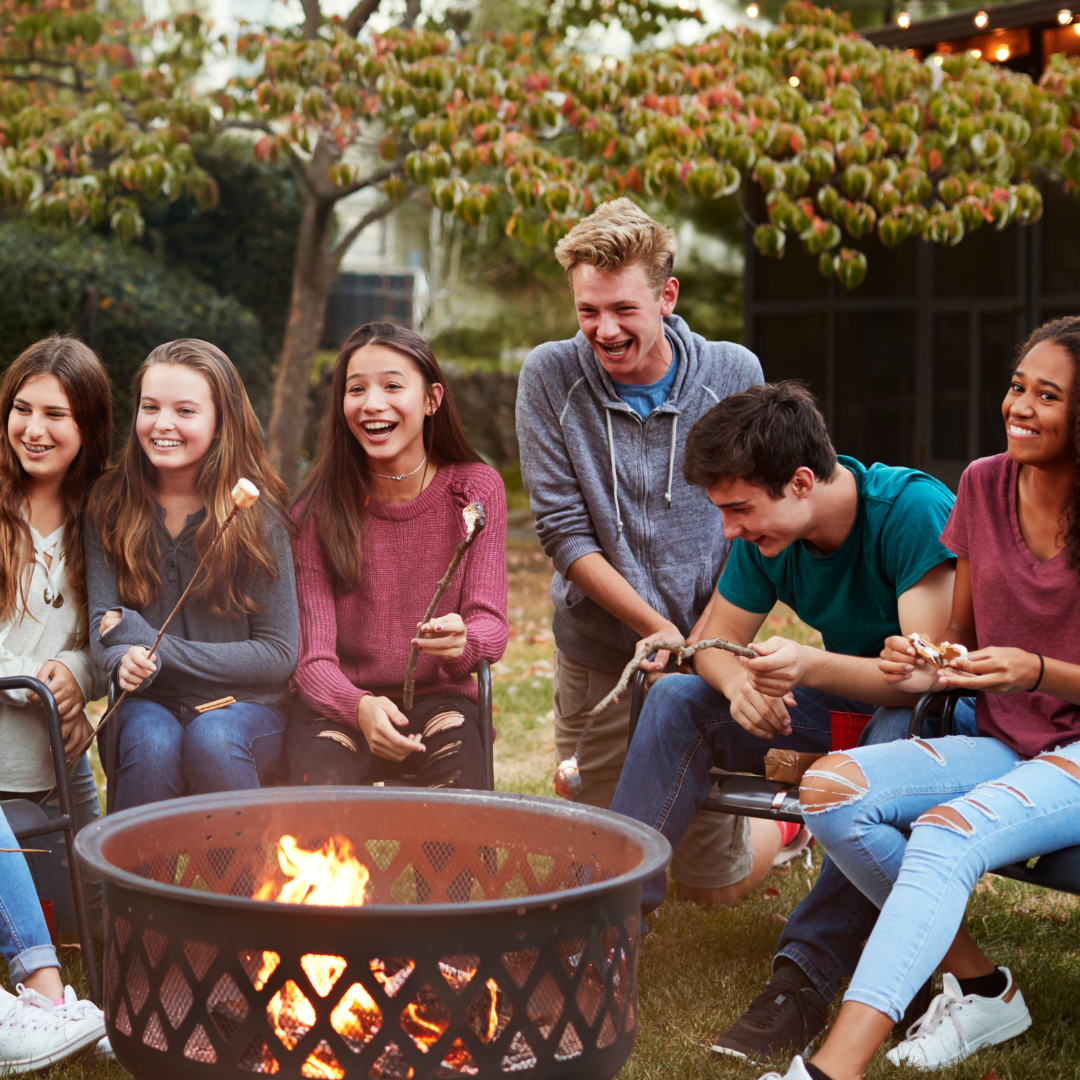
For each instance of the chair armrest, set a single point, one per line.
(922, 708)
(637, 699)
(52, 715)
(484, 706)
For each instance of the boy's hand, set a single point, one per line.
(136, 667)
(446, 637)
(905, 669)
(780, 667)
(378, 718)
(760, 714)
(69, 697)
(108, 621)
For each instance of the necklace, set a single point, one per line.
(404, 475)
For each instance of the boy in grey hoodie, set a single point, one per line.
(602, 421)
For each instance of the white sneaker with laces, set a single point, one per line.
(954, 1026)
(796, 1071)
(35, 1033)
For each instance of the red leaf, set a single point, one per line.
(633, 178)
(991, 1075)
(609, 149)
(771, 893)
(933, 160)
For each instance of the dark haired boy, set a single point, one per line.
(855, 552)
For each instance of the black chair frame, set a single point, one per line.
(754, 796)
(483, 701)
(28, 820)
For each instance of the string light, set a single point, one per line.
(976, 54)
(1076, 28)
(753, 11)
(981, 19)
(1064, 16)
(794, 80)
(939, 60)
(903, 20)
(1003, 53)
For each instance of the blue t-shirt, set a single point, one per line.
(850, 595)
(643, 399)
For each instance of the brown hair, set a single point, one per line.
(619, 234)
(80, 373)
(1066, 333)
(761, 436)
(125, 509)
(338, 487)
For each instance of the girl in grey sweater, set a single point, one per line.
(206, 711)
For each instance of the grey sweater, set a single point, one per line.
(203, 656)
(602, 479)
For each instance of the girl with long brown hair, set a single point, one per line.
(380, 517)
(152, 519)
(57, 408)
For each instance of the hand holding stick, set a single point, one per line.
(474, 523)
(567, 781)
(244, 495)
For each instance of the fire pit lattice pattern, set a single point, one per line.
(210, 988)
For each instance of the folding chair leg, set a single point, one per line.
(82, 915)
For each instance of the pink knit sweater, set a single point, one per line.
(358, 643)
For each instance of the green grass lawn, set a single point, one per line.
(699, 968)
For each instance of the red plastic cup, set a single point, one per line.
(847, 728)
(47, 911)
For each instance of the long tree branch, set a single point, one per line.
(312, 19)
(298, 163)
(371, 179)
(369, 218)
(359, 16)
(412, 13)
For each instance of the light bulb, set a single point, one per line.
(1003, 53)
(903, 20)
(939, 60)
(794, 80)
(753, 11)
(981, 19)
(976, 54)
(1064, 16)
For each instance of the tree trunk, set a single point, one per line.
(313, 279)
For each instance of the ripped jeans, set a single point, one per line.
(971, 804)
(321, 751)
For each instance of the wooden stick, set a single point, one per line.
(474, 523)
(244, 495)
(26, 850)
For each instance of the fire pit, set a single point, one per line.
(498, 935)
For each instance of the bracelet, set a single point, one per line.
(1042, 672)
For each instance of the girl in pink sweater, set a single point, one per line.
(379, 519)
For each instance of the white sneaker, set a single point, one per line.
(954, 1026)
(35, 1033)
(796, 1071)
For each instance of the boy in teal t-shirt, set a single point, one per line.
(855, 551)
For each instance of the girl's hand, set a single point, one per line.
(108, 621)
(446, 636)
(69, 698)
(905, 669)
(995, 670)
(76, 732)
(136, 667)
(376, 718)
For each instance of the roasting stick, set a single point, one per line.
(243, 496)
(474, 523)
(567, 782)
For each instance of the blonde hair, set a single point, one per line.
(619, 234)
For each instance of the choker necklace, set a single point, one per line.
(404, 475)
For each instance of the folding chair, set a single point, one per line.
(28, 820)
(483, 687)
(754, 796)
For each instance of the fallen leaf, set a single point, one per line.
(782, 919)
(772, 894)
(991, 1075)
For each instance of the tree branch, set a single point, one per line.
(369, 218)
(412, 13)
(298, 163)
(312, 19)
(359, 16)
(373, 178)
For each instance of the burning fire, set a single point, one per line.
(331, 875)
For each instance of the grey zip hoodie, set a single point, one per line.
(602, 479)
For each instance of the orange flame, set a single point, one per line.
(493, 1011)
(331, 875)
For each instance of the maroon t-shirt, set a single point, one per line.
(1019, 601)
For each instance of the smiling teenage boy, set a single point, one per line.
(854, 550)
(602, 422)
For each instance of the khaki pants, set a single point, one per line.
(715, 851)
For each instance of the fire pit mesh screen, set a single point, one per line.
(499, 935)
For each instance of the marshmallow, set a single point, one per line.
(244, 494)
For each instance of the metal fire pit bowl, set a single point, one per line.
(500, 936)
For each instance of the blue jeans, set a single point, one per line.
(24, 937)
(1005, 810)
(51, 873)
(170, 751)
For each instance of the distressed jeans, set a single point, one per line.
(170, 751)
(971, 805)
(24, 937)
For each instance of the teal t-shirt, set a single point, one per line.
(643, 399)
(850, 595)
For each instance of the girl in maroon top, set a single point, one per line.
(379, 519)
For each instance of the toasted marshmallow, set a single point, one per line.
(567, 781)
(244, 494)
(938, 655)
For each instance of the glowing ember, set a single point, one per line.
(425, 1018)
(331, 875)
(356, 1018)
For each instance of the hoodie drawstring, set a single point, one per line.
(671, 457)
(614, 476)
